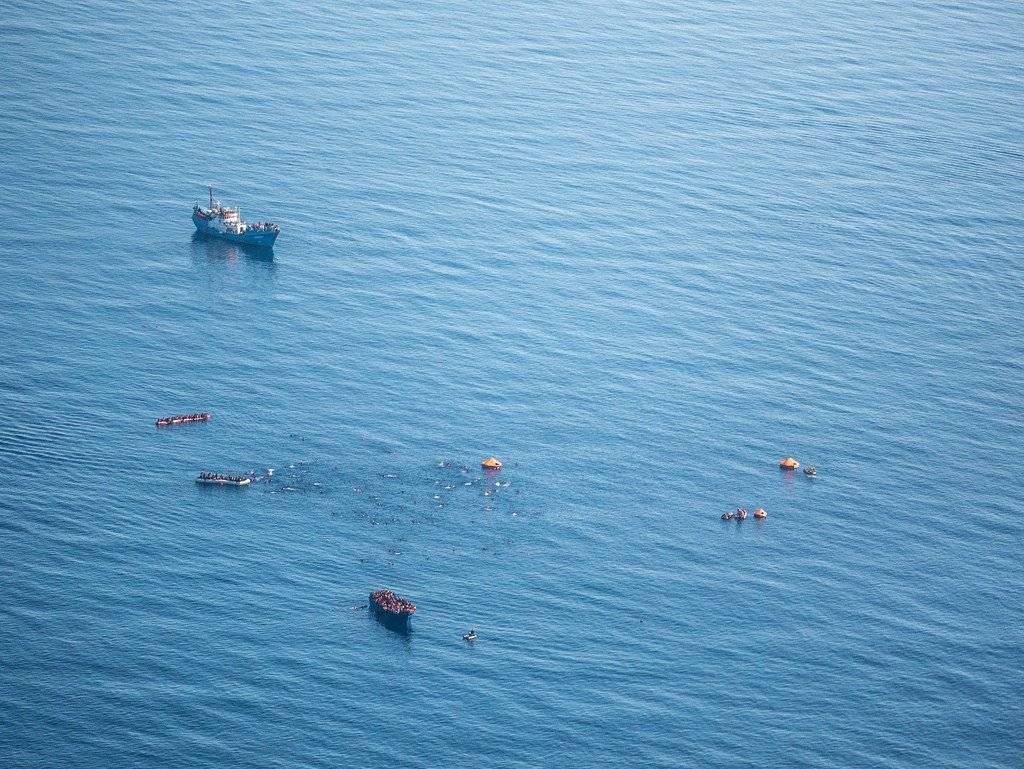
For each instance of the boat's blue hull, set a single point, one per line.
(258, 238)
(397, 622)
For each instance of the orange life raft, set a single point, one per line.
(788, 464)
(491, 463)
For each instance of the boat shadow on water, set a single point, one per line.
(215, 248)
(400, 625)
(399, 630)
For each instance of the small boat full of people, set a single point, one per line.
(392, 610)
(728, 516)
(741, 513)
(184, 419)
(810, 472)
(470, 636)
(223, 480)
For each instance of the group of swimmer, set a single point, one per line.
(789, 464)
(219, 477)
(786, 464)
(741, 514)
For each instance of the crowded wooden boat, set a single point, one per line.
(224, 480)
(387, 601)
(184, 419)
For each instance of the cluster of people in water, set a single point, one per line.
(389, 602)
(741, 514)
(200, 416)
(220, 477)
(789, 464)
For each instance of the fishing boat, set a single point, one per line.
(392, 610)
(184, 419)
(220, 221)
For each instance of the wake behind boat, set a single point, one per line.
(221, 221)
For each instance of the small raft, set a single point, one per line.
(491, 463)
(760, 513)
(788, 464)
(184, 419)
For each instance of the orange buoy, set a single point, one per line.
(491, 463)
(760, 513)
(788, 464)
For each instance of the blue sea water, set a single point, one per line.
(640, 251)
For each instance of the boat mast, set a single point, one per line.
(211, 196)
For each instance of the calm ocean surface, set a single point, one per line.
(639, 251)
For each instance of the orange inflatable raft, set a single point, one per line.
(491, 463)
(760, 513)
(788, 464)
